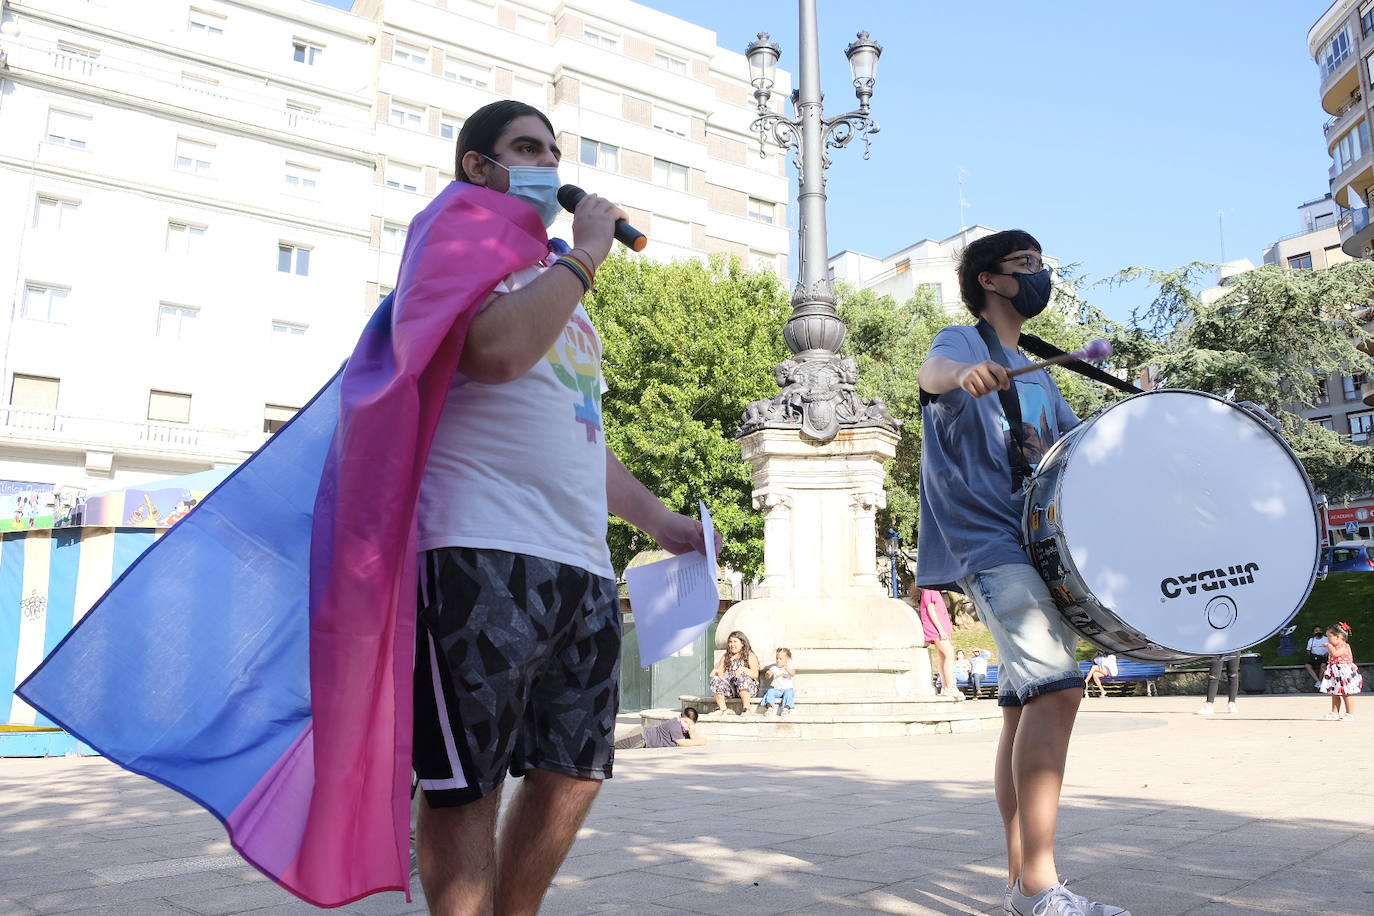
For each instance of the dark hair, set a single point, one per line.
(784, 651)
(689, 712)
(745, 648)
(1341, 629)
(986, 254)
(484, 126)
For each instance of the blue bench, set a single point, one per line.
(1129, 673)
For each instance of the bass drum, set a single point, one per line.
(1174, 524)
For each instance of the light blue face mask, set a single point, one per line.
(536, 185)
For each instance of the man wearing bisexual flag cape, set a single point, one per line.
(988, 416)
(317, 650)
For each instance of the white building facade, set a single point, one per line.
(208, 199)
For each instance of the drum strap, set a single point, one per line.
(1046, 350)
(1011, 406)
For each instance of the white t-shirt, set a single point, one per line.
(779, 678)
(1107, 662)
(1317, 645)
(521, 466)
(979, 665)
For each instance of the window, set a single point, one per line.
(672, 231)
(393, 237)
(45, 303)
(274, 417)
(1334, 52)
(52, 214)
(293, 259)
(936, 291)
(383, 292)
(183, 238)
(76, 59)
(169, 407)
(670, 122)
(670, 175)
(1323, 393)
(175, 321)
(670, 63)
(285, 329)
(903, 265)
(594, 98)
(1351, 147)
(449, 126)
(411, 55)
(761, 211)
(34, 391)
(297, 110)
(468, 74)
(1367, 21)
(203, 22)
(763, 261)
(301, 178)
(1325, 423)
(404, 177)
(601, 155)
(1301, 261)
(67, 128)
(408, 116)
(531, 92)
(193, 156)
(303, 52)
(1351, 385)
(1361, 425)
(602, 39)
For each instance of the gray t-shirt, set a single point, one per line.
(970, 518)
(664, 734)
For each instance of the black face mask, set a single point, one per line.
(1032, 294)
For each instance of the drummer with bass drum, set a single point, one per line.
(983, 433)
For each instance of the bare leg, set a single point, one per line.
(1349, 708)
(944, 654)
(744, 698)
(720, 701)
(1004, 785)
(1037, 763)
(1310, 673)
(1335, 703)
(536, 834)
(457, 849)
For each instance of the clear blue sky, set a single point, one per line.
(1113, 132)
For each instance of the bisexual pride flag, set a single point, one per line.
(258, 657)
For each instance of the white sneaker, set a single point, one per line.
(1206, 710)
(1231, 707)
(1058, 900)
(1348, 717)
(770, 711)
(1333, 717)
(1093, 908)
(1006, 903)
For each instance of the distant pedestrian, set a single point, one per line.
(977, 670)
(1104, 665)
(1214, 680)
(961, 668)
(936, 628)
(1342, 679)
(1316, 655)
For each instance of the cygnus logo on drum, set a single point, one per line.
(1209, 580)
(1221, 612)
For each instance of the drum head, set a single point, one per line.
(1187, 518)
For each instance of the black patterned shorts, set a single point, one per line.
(517, 666)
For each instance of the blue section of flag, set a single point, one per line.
(193, 669)
(11, 593)
(63, 562)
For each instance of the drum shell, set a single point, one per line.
(1047, 544)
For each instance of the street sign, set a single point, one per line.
(1352, 529)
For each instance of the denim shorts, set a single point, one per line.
(1035, 644)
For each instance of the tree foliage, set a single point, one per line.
(1270, 339)
(686, 347)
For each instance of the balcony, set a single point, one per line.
(1357, 234)
(1340, 86)
(52, 429)
(1336, 125)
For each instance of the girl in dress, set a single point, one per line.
(737, 675)
(1342, 678)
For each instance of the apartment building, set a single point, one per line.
(215, 194)
(1341, 43)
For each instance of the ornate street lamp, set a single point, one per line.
(818, 387)
(894, 542)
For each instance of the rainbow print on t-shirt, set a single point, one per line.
(576, 361)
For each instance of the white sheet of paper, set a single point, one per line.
(674, 600)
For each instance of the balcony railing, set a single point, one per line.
(1339, 117)
(77, 431)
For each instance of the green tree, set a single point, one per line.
(1270, 338)
(687, 346)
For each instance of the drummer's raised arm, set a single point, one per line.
(940, 374)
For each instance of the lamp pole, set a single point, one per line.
(818, 394)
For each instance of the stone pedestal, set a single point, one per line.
(820, 594)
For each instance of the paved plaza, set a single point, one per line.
(1267, 811)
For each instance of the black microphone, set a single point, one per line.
(570, 195)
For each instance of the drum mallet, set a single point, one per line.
(1095, 350)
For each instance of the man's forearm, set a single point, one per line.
(628, 499)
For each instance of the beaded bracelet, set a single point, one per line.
(578, 271)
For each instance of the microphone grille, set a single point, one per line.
(569, 196)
